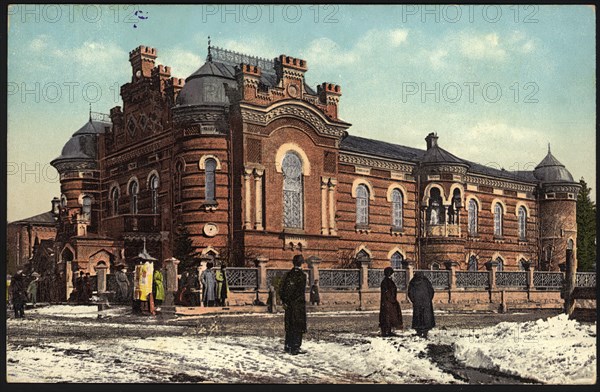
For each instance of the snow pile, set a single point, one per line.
(553, 351)
(71, 311)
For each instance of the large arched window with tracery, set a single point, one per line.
(472, 215)
(293, 195)
(472, 263)
(362, 205)
(397, 209)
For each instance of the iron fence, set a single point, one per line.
(375, 277)
(545, 279)
(242, 278)
(472, 279)
(339, 278)
(511, 279)
(274, 274)
(585, 279)
(440, 279)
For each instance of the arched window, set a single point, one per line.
(178, 171)
(362, 255)
(362, 205)
(522, 263)
(473, 212)
(522, 223)
(500, 263)
(435, 266)
(397, 260)
(210, 165)
(570, 244)
(133, 197)
(498, 220)
(114, 196)
(435, 212)
(472, 263)
(397, 209)
(63, 201)
(154, 193)
(86, 209)
(293, 195)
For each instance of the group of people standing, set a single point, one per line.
(19, 293)
(82, 289)
(212, 283)
(292, 294)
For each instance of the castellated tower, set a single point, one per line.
(557, 197)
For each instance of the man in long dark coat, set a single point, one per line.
(420, 293)
(292, 294)
(19, 294)
(390, 314)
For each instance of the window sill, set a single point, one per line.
(362, 229)
(398, 231)
(209, 206)
(499, 240)
(293, 231)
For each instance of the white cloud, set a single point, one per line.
(99, 54)
(482, 46)
(324, 51)
(182, 62)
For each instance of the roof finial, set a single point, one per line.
(90, 112)
(209, 53)
(548, 148)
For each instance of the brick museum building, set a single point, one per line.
(255, 162)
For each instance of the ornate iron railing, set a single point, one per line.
(339, 278)
(439, 279)
(376, 276)
(511, 279)
(472, 279)
(242, 278)
(545, 279)
(586, 279)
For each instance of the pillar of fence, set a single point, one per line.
(530, 270)
(570, 282)
(313, 263)
(451, 266)
(101, 276)
(492, 267)
(364, 262)
(261, 264)
(171, 266)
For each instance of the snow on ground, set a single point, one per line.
(556, 350)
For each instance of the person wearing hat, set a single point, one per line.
(292, 294)
(222, 286)
(19, 294)
(122, 294)
(420, 293)
(209, 284)
(158, 288)
(390, 314)
(32, 288)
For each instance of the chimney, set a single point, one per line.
(55, 205)
(431, 140)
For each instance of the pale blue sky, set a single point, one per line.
(541, 58)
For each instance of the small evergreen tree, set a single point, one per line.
(586, 229)
(183, 248)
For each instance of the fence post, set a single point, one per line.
(313, 262)
(261, 264)
(451, 266)
(530, 282)
(171, 282)
(365, 262)
(492, 267)
(570, 283)
(410, 271)
(101, 276)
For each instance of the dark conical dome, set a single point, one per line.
(82, 146)
(206, 86)
(551, 170)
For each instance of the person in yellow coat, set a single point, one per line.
(158, 288)
(222, 286)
